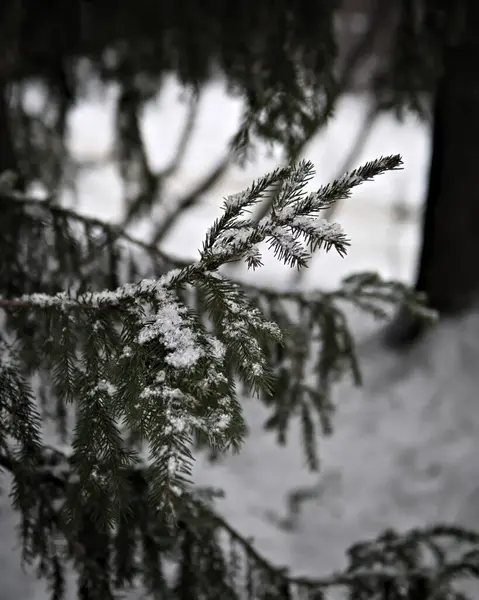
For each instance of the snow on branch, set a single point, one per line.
(137, 358)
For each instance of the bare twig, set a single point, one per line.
(185, 137)
(190, 199)
(156, 181)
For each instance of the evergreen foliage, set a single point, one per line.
(139, 367)
(138, 361)
(280, 58)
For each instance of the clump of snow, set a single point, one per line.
(322, 227)
(170, 326)
(235, 200)
(218, 349)
(61, 300)
(107, 387)
(172, 466)
(223, 421)
(126, 352)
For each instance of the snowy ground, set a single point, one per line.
(405, 448)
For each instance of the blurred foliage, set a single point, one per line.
(286, 60)
(287, 63)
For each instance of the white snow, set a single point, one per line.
(170, 326)
(405, 447)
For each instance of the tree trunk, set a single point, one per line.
(9, 286)
(448, 270)
(7, 153)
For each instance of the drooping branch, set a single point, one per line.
(389, 552)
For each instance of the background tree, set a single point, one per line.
(451, 215)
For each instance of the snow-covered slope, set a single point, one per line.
(405, 448)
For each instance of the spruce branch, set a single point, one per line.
(423, 561)
(154, 367)
(115, 232)
(179, 381)
(242, 339)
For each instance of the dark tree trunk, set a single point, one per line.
(448, 270)
(7, 153)
(9, 286)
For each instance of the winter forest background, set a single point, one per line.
(404, 450)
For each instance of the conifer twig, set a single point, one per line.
(347, 578)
